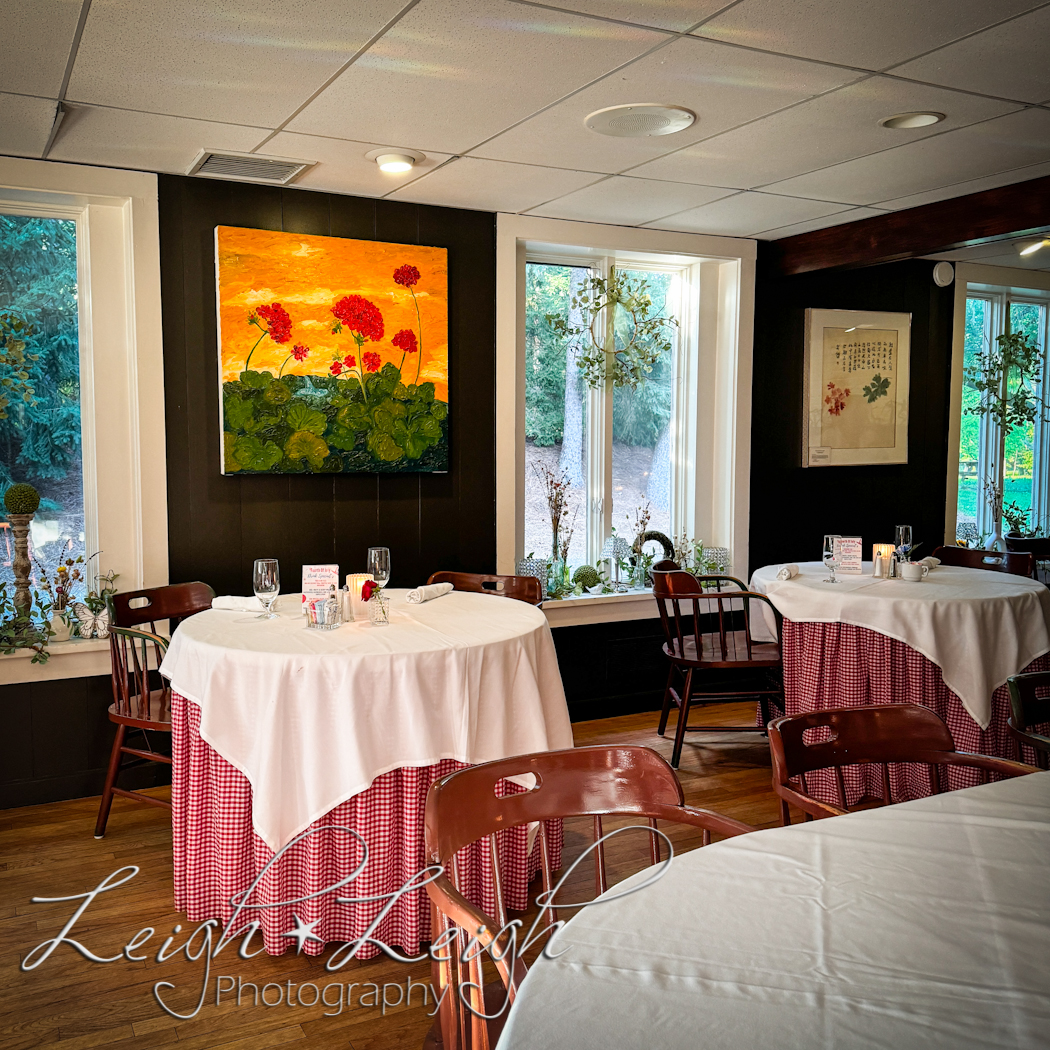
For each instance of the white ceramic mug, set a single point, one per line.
(913, 571)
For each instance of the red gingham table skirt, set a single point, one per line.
(217, 853)
(840, 665)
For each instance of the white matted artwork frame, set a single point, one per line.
(857, 372)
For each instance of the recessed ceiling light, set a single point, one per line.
(640, 120)
(912, 120)
(395, 162)
(1031, 249)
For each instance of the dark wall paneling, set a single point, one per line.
(58, 741)
(791, 506)
(219, 525)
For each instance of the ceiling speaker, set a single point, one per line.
(639, 121)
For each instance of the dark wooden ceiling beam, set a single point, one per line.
(991, 215)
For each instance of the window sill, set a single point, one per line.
(77, 658)
(600, 608)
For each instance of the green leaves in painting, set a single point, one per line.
(253, 454)
(876, 389)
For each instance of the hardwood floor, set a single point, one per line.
(71, 1003)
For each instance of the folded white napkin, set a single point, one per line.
(424, 594)
(787, 571)
(930, 561)
(235, 603)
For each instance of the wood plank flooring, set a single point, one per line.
(71, 1003)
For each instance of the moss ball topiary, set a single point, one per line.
(21, 499)
(586, 576)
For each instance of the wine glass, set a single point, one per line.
(266, 581)
(831, 555)
(379, 565)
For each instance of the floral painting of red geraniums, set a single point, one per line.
(333, 354)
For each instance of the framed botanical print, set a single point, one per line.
(857, 370)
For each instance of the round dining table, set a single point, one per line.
(295, 750)
(948, 642)
(925, 924)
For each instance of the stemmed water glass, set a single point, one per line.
(831, 555)
(379, 565)
(902, 540)
(266, 581)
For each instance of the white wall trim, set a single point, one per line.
(723, 434)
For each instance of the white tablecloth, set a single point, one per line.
(313, 717)
(978, 627)
(922, 925)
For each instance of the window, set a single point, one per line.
(40, 436)
(990, 312)
(680, 442)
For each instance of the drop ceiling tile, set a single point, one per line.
(35, 43)
(239, 61)
(454, 72)
(746, 214)
(117, 138)
(629, 202)
(827, 130)
(866, 35)
(1010, 60)
(820, 223)
(487, 185)
(25, 124)
(724, 86)
(960, 189)
(342, 166)
(678, 15)
(996, 145)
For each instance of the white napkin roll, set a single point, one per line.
(787, 571)
(931, 562)
(235, 603)
(425, 594)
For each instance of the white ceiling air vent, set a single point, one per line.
(247, 167)
(640, 120)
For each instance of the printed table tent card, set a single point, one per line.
(856, 380)
(850, 551)
(319, 581)
(333, 354)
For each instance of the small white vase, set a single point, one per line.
(59, 629)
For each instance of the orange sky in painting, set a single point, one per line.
(307, 275)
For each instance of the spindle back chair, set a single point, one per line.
(523, 588)
(878, 733)
(708, 624)
(1028, 711)
(463, 808)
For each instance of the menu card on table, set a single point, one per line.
(850, 555)
(319, 581)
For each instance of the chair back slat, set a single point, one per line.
(1013, 562)
(522, 588)
(600, 882)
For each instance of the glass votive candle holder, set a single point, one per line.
(378, 610)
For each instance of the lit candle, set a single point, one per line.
(354, 582)
(884, 551)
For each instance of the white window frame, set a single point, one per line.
(711, 449)
(997, 285)
(121, 374)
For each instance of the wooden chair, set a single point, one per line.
(710, 640)
(523, 588)
(137, 705)
(462, 808)
(1028, 710)
(879, 733)
(1015, 563)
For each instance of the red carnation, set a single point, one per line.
(406, 275)
(371, 360)
(368, 588)
(360, 316)
(405, 340)
(300, 352)
(335, 367)
(278, 323)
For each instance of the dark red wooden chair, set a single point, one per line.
(1015, 563)
(463, 808)
(879, 733)
(523, 588)
(707, 622)
(1029, 711)
(135, 646)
